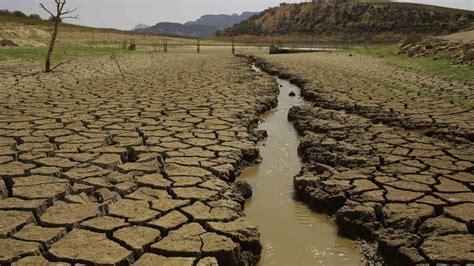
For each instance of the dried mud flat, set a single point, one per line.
(99, 170)
(388, 152)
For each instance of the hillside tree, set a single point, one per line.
(57, 16)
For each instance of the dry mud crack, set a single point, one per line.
(393, 166)
(98, 170)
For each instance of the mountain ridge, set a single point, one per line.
(140, 26)
(350, 22)
(204, 27)
(222, 21)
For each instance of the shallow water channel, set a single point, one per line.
(292, 234)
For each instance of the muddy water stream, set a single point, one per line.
(292, 234)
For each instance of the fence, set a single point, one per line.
(198, 44)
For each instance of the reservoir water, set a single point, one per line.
(292, 234)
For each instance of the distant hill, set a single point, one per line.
(140, 26)
(206, 26)
(222, 21)
(349, 22)
(169, 28)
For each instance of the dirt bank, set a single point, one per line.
(393, 166)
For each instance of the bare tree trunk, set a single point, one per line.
(51, 46)
(57, 16)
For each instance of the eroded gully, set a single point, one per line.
(292, 234)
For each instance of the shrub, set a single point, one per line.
(19, 14)
(35, 16)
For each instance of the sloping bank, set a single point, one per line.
(408, 193)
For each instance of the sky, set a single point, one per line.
(125, 14)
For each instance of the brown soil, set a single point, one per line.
(99, 170)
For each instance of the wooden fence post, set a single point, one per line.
(233, 47)
(165, 45)
(198, 46)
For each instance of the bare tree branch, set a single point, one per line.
(76, 17)
(70, 11)
(62, 63)
(42, 6)
(118, 65)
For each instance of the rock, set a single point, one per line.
(185, 241)
(243, 188)
(240, 231)
(194, 193)
(463, 212)
(103, 224)
(225, 171)
(390, 241)
(147, 167)
(68, 215)
(38, 207)
(202, 213)
(57, 162)
(166, 205)
(137, 238)
(148, 194)
(37, 260)
(397, 195)
(447, 185)
(43, 235)
(169, 222)
(149, 259)
(3, 190)
(179, 170)
(185, 181)
(14, 249)
(410, 256)
(154, 181)
(442, 226)
(222, 248)
(15, 169)
(208, 261)
(6, 42)
(108, 161)
(322, 201)
(406, 216)
(449, 249)
(357, 221)
(51, 191)
(11, 221)
(91, 248)
(134, 211)
(79, 173)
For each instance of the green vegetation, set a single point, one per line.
(60, 54)
(442, 68)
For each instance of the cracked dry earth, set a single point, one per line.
(393, 166)
(98, 170)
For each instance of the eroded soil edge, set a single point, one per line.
(404, 185)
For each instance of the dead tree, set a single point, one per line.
(57, 17)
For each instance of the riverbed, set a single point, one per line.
(292, 234)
